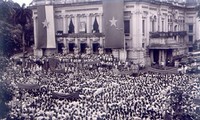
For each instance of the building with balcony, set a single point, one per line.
(155, 31)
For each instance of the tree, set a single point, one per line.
(5, 93)
(179, 98)
(9, 33)
(23, 17)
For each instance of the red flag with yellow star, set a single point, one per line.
(114, 23)
(45, 27)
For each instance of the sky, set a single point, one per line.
(27, 2)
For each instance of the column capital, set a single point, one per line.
(34, 17)
(136, 12)
(94, 14)
(81, 15)
(58, 16)
(87, 14)
(75, 15)
(100, 14)
(63, 16)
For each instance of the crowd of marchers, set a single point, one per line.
(104, 92)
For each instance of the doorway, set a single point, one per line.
(95, 47)
(60, 48)
(71, 47)
(83, 47)
(156, 56)
(169, 61)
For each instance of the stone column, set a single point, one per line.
(76, 23)
(139, 14)
(76, 42)
(64, 24)
(160, 57)
(152, 58)
(101, 29)
(76, 29)
(65, 42)
(88, 28)
(101, 42)
(100, 22)
(35, 27)
(88, 42)
(132, 25)
(88, 23)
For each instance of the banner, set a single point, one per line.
(28, 86)
(113, 18)
(45, 27)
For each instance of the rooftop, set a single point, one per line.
(172, 2)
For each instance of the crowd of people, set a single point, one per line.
(104, 93)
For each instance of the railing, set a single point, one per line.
(166, 43)
(78, 35)
(167, 34)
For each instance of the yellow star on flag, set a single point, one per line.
(113, 21)
(45, 23)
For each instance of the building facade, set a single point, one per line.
(156, 32)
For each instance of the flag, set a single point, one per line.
(95, 26)
(71, 27)
(113, 18)
(45, 27)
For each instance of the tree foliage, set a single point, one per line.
(5, 92)
(13, 28)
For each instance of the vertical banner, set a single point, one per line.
(41, 29)
(113, 18)
(46, 27)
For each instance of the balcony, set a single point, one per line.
(163, 41)
(167, 46)
(78, 35)
(166, 43)
(167, 34)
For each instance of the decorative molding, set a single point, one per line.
(94, 14)
(130, 6)
(163, 9)
(58, 11)
(34, 17)
(165, 14)
(89, 9)
(153, 18)
(145, 7)
(151, 8)
(70, 16)
(64, 16)
(81, 15)
(145, 13)
(138, 12)
(58, 16)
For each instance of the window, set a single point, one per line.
(190, 38)
(143, 45)
(175, 28)
(171, 27)
(190, 49)
(143, 27)
(82, 25)
(127, 27)
(190, 29)
(153, 26)
(162, 26)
